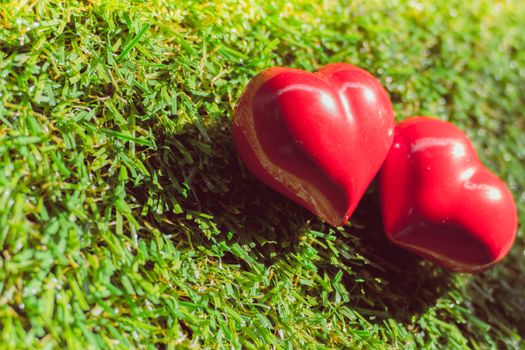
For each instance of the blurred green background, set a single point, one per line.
(127, 220)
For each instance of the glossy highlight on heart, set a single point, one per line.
(317, 138)
(439, 201)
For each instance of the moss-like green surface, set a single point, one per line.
(127, 221)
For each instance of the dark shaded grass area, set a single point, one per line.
(413, 285)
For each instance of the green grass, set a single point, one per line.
(127, 220)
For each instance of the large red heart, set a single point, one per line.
(317, 138)
(439, 201)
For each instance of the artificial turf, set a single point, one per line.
(127, 220)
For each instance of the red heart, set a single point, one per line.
(317, 138)
(440, 202)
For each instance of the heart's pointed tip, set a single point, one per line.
(470, 269)
(484, 260)
(335, 221)
(345, 217)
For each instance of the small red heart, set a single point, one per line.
(439, 201)
(317, 138)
